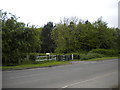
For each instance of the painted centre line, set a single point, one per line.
(97, 77)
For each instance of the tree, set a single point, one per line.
(63, 37)
(85, 36)
(72, 37)
(17, 40)
(47, 42)
(104, 35)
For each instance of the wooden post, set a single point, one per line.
(72, 57)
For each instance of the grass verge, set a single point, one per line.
(26, 66)
(48, 64)
(103, 58)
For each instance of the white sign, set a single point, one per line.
(47, 53)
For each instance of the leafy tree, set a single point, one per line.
(104, 35)
(72, 37)
(17, 40)
(47, 43)
(63, 37)
(84, 36)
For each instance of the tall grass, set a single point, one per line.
(91, 56)
(107, 52)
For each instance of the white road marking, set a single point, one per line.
(65, 86)
(97, 77)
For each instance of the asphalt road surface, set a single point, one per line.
(82, 74)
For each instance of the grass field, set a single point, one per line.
(48, 64)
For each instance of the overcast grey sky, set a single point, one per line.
(39, 12)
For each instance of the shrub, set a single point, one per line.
(107, 52)
(90, 56)
(25, 61)
(76, 56)
(32, 57)
(13, 59)
(83, 57)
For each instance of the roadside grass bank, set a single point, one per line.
(103, 58)
(28, 66)
(50, 63)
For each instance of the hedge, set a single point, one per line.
(90, 56)
(107, 52)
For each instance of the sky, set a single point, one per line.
(39, 12)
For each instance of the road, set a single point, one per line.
(82, 74)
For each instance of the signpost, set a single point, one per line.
(48, 56)
(72, 56)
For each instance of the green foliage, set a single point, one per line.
(17, 39)
(107, 52)
(32, 57)
(47, 43)
(85, 36)
(20, 40)
(90, 56)
(23, 66)
(25, 61)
